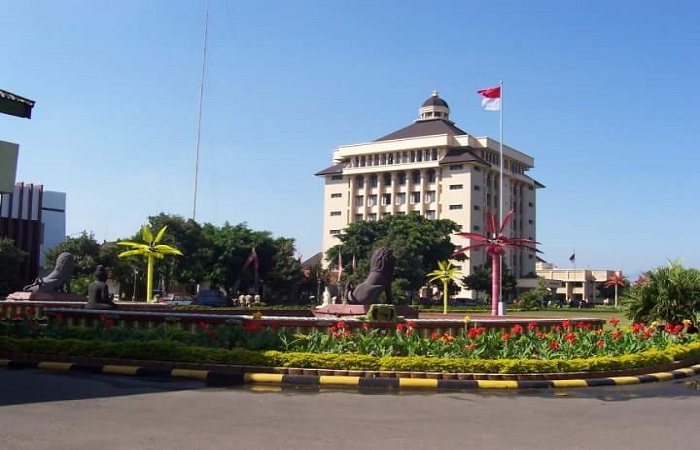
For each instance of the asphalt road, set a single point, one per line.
(54, 410)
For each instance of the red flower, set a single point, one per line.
(365, 326)
(17, 316)
(580, 324)
(103, 317)
(471, 347)
(614, 322)
(435, 336)
(447, 337)
(399, 327)
(599, 332)
(554, 345)
(616, 334)
(532, 326)
(252, 326)
(332, 329)
(59, 317)
(505, 336)
(540, 335)
(202, 326)
(566, 324)
(108, 324)
(557, 328)
(600, 344)
(570, 338)
(517, 329)
(31, 311)
(341, 325)
(473, 333)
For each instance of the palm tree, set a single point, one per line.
(151, 250)
(616, 280)
(495, 243)
(444, 273)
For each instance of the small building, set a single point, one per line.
(575, 284)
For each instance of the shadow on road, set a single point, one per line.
(35, 386)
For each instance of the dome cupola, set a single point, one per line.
(434, 108)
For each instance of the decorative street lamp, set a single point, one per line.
(136, 272)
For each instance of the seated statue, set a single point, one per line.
(381, 271)
(98, 293)
(56, 281)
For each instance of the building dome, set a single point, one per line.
(434, 108)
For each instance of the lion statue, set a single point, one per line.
(56, 281)
(381, 271)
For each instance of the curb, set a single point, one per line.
(218, 379)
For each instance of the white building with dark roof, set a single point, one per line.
(437, 170)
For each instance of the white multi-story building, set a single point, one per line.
(435, 169)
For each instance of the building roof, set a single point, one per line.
(462, 155)
(333, 170)
(15, 105)
(434, 100)
(421, 128)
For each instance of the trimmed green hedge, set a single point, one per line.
(165, 350)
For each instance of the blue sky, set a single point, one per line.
(602, 94)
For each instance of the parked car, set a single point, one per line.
(177, 298)
(211, 297)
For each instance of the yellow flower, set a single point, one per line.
(466, 319)
(686, 322)
(257, 315)
(655, 324)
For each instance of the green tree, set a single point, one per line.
(481, 279)
(283, 280)
(615, 281)
(533, 299)
(445, 273)
(11, 259)
(151, 249)
(670, 294)
(416, 242)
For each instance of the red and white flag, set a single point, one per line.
(491, 100)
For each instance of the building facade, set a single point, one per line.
(35, 219)
(577, 285)
(435, 169)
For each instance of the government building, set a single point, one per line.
(435, 169)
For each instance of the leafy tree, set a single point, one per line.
(670, 294)
(616, 280)
(151, 249)
(445, 273)
(533, 299)
(481, 279)
(11, 259)
(283, 281)
(416, 242)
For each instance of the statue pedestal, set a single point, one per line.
(347, 311)
(46, 297)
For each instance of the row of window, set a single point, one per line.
(385, 199)
(387, 178)
(402, 157)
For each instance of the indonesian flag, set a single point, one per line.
(253, 258)
(491, 98)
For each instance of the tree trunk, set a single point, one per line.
(444, 297)
(149, 280)
(495, 284)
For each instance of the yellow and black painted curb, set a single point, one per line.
(214, 378)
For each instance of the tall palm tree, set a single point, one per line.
(444, 273)
(616, 280)
(495, 243)
(151, 250)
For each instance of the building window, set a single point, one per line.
(453, 207)
(429, 196)
(529, 204)
(529, 188)
(360, 200)
(387, 179)
(402, 179)
(434, 154)
(373, 181)
(455, 187)
(335, 213)
(456, 167)
(360, 181)
(372, 200)
(386, 199)
(401, 198)
(459, 227)
(430, 214)
(477, 187)
(415, 198)
(431, 176)
(372, 217)
(358, 217)
(477, 228)
(400, 213)
(335, 232)
(336, 177)
(415, 177)
(336, 195)
(530, 221)
(477, 169)
(477, 207)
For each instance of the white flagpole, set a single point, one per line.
(501, 304)
(199, 114)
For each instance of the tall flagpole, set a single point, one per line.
(199, 114)
(501, 304)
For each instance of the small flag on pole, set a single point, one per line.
(572, 258)
(491, 100)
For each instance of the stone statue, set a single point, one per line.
(381, 271)
(56, 281)
(98, 293)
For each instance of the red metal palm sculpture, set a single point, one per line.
(495, 243)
